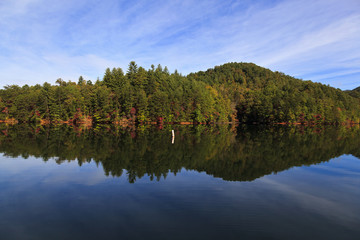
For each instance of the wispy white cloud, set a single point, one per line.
(9, 8)
(317, 39)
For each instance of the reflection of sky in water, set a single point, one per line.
(50, 201)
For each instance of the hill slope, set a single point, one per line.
(261, 95)
(241, 92)
(355, 92)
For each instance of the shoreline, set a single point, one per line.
(132, 123)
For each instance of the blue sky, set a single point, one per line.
(42, 40)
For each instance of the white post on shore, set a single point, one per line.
(173, 136)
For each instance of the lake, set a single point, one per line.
(212, 182)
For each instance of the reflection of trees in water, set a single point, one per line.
(242, 154)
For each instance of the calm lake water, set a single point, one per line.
(211, 183)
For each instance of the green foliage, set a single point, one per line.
(260, 95)
(355, 92)
(241, 92)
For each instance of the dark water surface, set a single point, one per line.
(211, 183)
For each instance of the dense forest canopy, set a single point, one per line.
(355, 92)
(232, 92)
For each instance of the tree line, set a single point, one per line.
(233, 92)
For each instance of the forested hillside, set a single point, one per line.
(241, 92)
(355, 92)
(260, 95)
